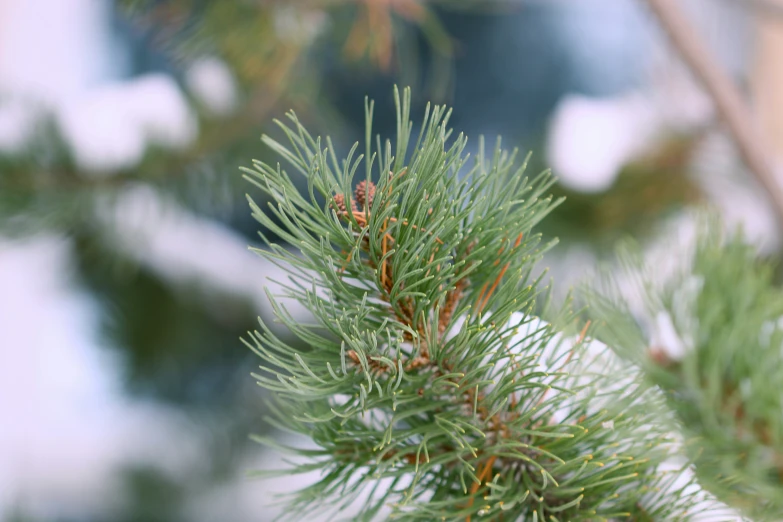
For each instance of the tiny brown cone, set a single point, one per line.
(339, 200)
(365, 191)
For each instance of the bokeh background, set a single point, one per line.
(125, 279)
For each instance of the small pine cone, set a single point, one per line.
(365, 191)
(339, 200)
(353, 356)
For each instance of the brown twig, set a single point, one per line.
(774, 7)
(420, 360)
(724, 93)
(482, 299)
(482, 477)
(372, 363)
(452, 300)
(372, 31)
(384, 250)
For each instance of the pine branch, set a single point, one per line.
(773, 7)
(429, 383)
(723, 381)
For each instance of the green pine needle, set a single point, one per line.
(431, 389)
(724, 380)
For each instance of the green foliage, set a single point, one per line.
(725, 385)
(153, 496)
(646, 190)
(270, 49)
(270, 45)
(429, 387)
(169, 340)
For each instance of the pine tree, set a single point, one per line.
(440, 382)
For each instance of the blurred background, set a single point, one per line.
(125, 279)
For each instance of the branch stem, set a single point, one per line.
(725, 95)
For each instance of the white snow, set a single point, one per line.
(186, 249)
(160, 109)
(110, 127)
(212, 83)
(67, 427)
(97, 130)
(17, 124)
(591, 139)
(299, 26)
(51, 51)
(666, 338)
(61, 56)
(735, 192)
(247, 499)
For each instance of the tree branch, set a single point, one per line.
(774, 7)
(724, 93)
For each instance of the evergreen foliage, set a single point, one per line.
(720, 366)
(431, 387)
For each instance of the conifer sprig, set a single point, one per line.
(711, 337)
(429, 386)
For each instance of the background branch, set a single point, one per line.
(767, 6)
(724, 93)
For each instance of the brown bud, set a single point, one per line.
(660, 357)
(365, 192)
(339, 201)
